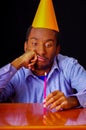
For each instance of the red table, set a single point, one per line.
(28, 116)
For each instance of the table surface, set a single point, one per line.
(33, 116)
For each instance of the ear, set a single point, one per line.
(25, 46)
(58, 49)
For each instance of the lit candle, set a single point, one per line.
(45, 85)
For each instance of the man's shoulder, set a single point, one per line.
(63, 58)
(65, 61)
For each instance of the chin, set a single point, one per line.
(42, 67)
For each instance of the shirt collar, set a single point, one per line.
(27, 72)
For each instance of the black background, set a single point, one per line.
(17, 16)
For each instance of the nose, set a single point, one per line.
(41, 49)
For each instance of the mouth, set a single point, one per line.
(42, 59)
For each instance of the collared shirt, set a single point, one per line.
(23, 86)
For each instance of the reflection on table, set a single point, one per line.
(28, 114)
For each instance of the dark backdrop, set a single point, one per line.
(17, 16)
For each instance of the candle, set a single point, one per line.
(45, 85)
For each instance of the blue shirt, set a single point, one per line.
(23, 86)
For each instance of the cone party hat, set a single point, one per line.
(45, 16)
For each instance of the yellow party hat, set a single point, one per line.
(45, 16)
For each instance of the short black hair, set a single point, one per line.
(28, 32)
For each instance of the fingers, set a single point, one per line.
(54, 97)
(55, 100)
(61, 106)
(58, 104)
(49, 98)
(32, 62)
(30, 59)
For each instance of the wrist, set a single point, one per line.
(17, 63)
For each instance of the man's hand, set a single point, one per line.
(27, 60)
(59, 101)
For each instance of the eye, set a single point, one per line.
(34, 43)
(49, 44)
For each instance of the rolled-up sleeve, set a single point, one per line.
(82, 98)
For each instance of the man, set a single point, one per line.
(22, 80)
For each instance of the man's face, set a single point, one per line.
(43, 42)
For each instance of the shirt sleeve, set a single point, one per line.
(78, 81)
(82, 98)
(6, 74)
